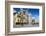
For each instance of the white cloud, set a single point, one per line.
(33, 17)
(36, 18)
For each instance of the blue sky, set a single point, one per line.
(33, 11)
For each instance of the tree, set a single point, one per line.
(33, 21)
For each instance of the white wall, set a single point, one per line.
(2, 18)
